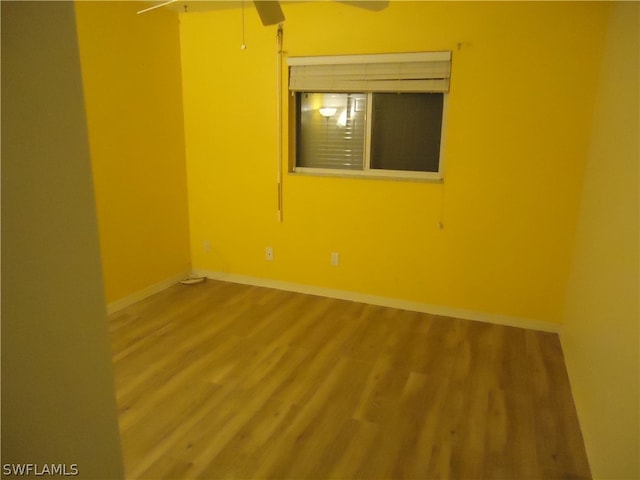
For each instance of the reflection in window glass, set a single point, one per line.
(331, 130)
(406, 130)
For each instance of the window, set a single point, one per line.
(374, 115)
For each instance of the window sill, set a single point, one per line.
(429, 177)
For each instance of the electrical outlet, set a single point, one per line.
(268, 254)
(206, 246)
(335, 259)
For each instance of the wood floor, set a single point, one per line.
(219, 380)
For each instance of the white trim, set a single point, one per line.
(144, 293)
(445, 311)
(377, 173)
(381, 174)
(371, 58)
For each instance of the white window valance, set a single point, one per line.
(388, 72)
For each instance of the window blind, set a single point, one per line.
(393, 72)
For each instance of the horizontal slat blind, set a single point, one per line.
(403, 72)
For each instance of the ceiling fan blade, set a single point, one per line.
(269, 11)
(160, 5)
(374, 5)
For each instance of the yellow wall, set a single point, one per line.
(600, 337)
(58, 398)
(521, 99)
(132, 85)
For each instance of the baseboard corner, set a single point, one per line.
(128, 300)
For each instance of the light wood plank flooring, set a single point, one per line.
(226, 381)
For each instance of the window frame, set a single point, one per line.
(367, 171)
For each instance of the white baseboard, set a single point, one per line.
(144, 293)
(383, 301)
